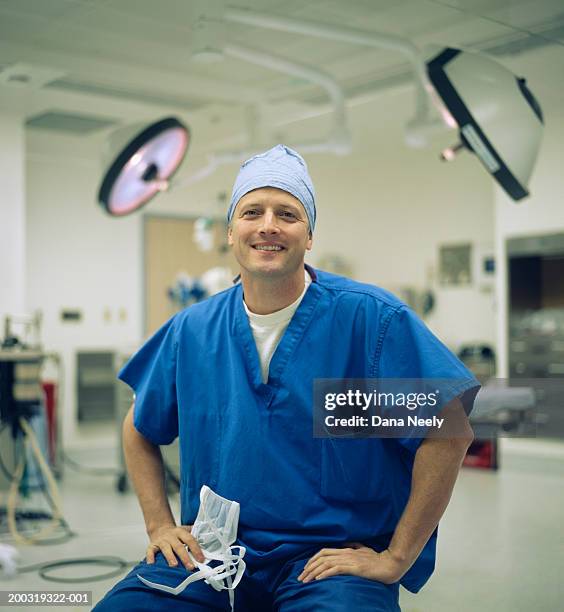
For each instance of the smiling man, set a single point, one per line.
(327, 524)
(270, 233)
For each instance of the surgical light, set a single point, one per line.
(144, 166)
(450, 153)
(498, 117)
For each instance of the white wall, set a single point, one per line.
(12, 217)
(78, 258)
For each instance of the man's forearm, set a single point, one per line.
(435, 469)
(145, 468)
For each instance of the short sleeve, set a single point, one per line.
(151, 373)
(409, 350)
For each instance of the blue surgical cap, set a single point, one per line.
(279, 167)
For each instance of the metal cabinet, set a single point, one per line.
(95, 386)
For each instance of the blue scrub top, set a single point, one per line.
(199, 378)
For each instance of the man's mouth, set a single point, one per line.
(268, 247)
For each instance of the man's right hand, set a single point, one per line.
(174, 543)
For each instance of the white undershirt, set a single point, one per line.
(268, 329)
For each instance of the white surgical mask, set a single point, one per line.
(215, 530)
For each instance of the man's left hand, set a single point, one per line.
(355, 560)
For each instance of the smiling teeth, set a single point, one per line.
(268, 248)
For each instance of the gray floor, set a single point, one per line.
(501, 539)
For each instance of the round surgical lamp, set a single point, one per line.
(498, 117)
(143, 166)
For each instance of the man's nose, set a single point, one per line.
(269, 222)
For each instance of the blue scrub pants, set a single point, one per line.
(268, 589)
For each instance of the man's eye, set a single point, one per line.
(250, 213)
(289, 214)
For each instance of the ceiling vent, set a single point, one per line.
(28, 75)
(72, 123)
(136, 95)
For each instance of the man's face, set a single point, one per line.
(269, 233)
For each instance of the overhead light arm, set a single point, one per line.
(338, 142)
(422, 117)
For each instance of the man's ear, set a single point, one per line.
(230, 235)
(309, 242)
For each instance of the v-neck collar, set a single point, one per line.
(292, 335)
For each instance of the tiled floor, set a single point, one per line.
(501, 544)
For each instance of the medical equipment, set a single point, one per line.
(497, 116)
(20, 386)
(215, 530)
(21, 400)
(501, 410)
(143, 166)
(30, 331)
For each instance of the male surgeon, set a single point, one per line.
(328, 524)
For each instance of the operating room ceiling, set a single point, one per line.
(121, 59)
